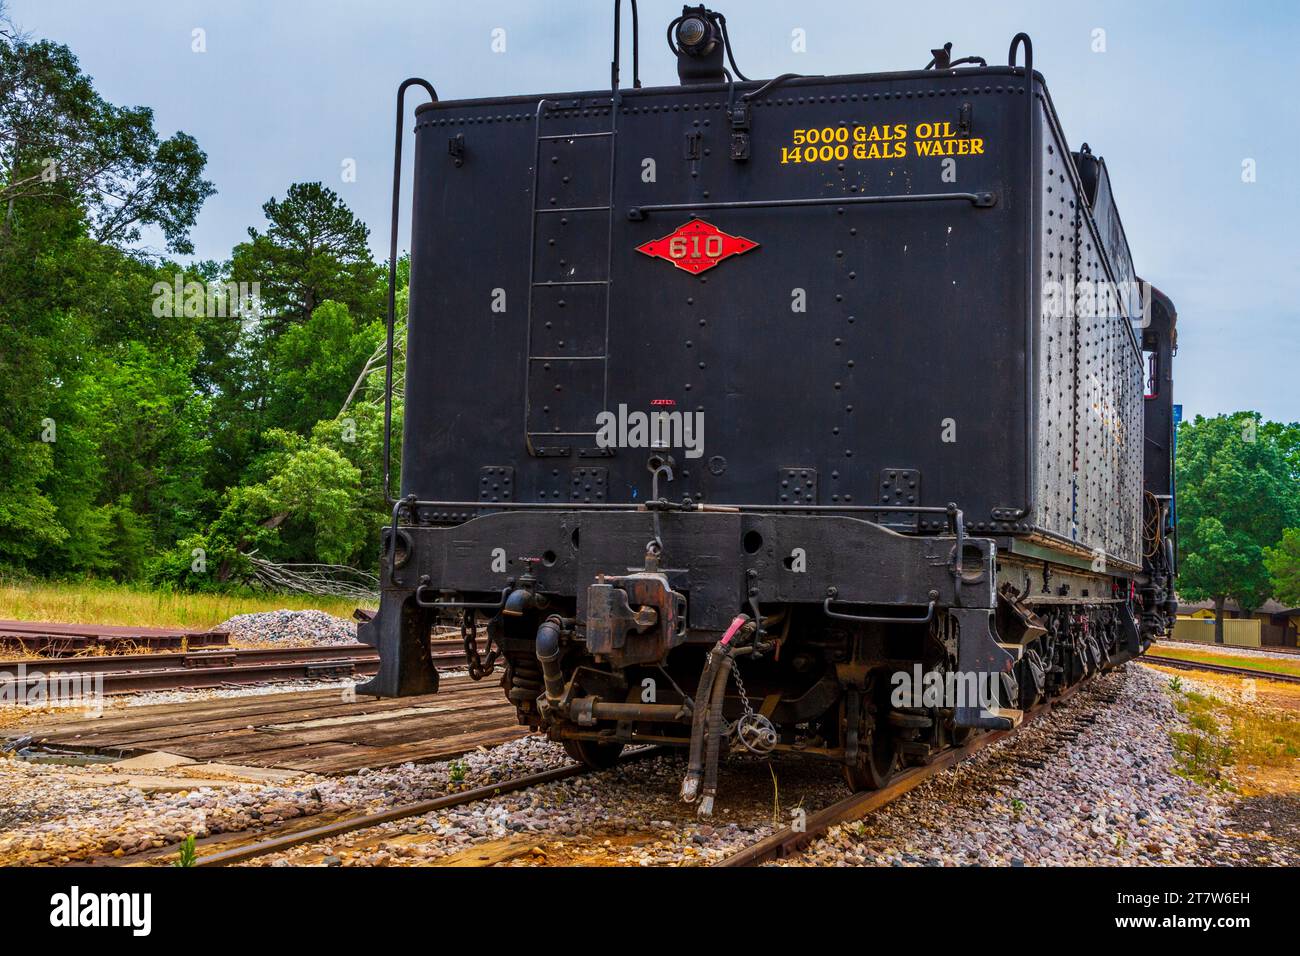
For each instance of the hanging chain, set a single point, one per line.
(740, 688)
(478, 666)
(752, 731)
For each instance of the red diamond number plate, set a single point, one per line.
(697, 246)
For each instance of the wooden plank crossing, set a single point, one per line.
(318, 731)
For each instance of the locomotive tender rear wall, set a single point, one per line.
(915, 327)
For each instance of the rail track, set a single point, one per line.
(214, 668)
(295, 834)
(134, 673)
(791, 840)
(234, 848)
(1186, 665)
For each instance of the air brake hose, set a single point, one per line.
(714, 744)
(699, 720)
(700, 717)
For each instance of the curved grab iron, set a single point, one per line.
(392, 276)
(874, 619)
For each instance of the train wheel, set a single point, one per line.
(595, 755)
(877, 748)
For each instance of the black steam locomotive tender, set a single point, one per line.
(732, 406)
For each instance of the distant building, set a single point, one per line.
(1279, 626)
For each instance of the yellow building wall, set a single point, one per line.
(1236, 633)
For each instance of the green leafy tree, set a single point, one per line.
(180, 444)
(60, 142)
(1287, 439)
(314, 365)
(80, 179)
(1283, 563)
(1236, 495)
(307, 507)
(314, 249)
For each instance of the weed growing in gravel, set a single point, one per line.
(1017, 807)
(1199, 758)
(1201, 753)
(776, 798)
(186, 854)
(1175, 684)
(1223, 732)
(457, 770)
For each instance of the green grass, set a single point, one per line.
(1201, 753)
(1264, 665)
(105, 602)
(1225, 734)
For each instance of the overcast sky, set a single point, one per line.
(1183, 94)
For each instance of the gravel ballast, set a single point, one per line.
(1107, 797)
(298, 628)
(1091, 783)
(57, 814)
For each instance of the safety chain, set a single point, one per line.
(740, 688)
(478, 667)
(752, 731)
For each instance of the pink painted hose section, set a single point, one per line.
(737, 623)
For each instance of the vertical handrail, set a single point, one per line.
(532, 269)
(1031, 313)
(392, 280)
(636, 48)
(614, 107)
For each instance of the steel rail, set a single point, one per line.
(223, 657)
(440, 648)
(191, 678)
(133, 673)
(365, 821)
(789, 841)
(1181, 664)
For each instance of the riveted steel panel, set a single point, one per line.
(858, 334)
(1089, 427)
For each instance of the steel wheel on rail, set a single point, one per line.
(593, 754)
(877, 748)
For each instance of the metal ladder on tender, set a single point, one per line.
(553, 442)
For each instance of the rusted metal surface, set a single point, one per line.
(135, 673)
(196, 670)
(56, 640)
(623, 636)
